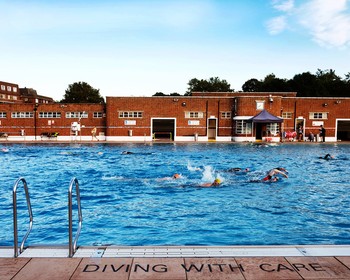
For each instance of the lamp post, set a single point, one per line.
(35, 109)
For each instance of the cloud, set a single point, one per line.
(326, 21)
(276, 25)
(283, 5)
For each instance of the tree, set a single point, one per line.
(211, 85)
(271, 83)
(82, 92)
(159, 94)
(252, 85)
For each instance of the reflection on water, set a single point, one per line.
(132, 199)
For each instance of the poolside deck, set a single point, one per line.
(180, 263)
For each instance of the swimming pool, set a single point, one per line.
(129, 199)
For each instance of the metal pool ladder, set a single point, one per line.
(15, 228)
(73, 244)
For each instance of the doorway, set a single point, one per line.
(343, 130)
(212, 127)
(300, 128)
(163, 129)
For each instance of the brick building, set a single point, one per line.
(200, 117)
(11, 94)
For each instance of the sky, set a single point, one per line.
(138, 48)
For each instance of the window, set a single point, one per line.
(14, 89)
(226, 115)
(45, 115)
(3, 87)
(3, 96)
(260, 105)
(3, 115)
(197, 115)
(131, 114)
(287, 115)
(22, 115)
(318, 115)
(76, 115)
(9, 88)
(272, 129)
(243, 127)
(98, 115)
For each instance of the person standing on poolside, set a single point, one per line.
(323, 133)
(93, 134)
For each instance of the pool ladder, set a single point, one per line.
(72, 244)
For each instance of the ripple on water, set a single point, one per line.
(132, 200)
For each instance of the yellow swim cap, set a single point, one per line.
(217, 180)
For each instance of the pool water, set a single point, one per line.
(130, 199)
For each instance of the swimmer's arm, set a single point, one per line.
(282, 173)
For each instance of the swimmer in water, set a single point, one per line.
(327, 157)
(126, 153)
(176, 176)
(238, 169)
(275, 171)
(5, 150)
(216, 183)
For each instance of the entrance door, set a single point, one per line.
(212, 129)
(343, 130)
(258, 131)
(163, 129)
(300, 128)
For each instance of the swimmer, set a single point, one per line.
(275, 171)
(176, 176)
(216, 183)
(327, 157)
(126, 153)
(238, 169)
(5, 150)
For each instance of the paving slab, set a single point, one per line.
(213, 268)
(9, 267)
(48, 268)
(158, 269)
(103, 268)
(319, 267)
(269, 268)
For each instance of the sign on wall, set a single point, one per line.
(317, 123)
(193, 122)
(129, 122)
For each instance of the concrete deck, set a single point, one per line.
(178, 262)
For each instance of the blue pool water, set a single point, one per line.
(130, 199)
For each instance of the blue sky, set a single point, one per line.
(138, 48)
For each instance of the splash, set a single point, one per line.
(192, 168)
(208, 174)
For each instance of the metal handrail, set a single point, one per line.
(15, 228)
(73, 244)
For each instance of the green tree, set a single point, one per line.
(252, 85)
(82, 92)
(272, 83)
(211, 85)
(159, 94)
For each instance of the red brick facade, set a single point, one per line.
(201, 117)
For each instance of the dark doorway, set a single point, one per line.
(163, 129)
(212, 129)
(343, 130)
(258, 131)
